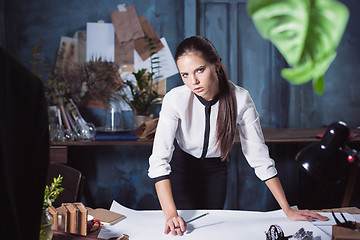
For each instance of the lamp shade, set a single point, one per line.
(325, 160)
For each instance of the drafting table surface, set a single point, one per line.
(219, 224)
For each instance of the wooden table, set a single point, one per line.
(59, 235)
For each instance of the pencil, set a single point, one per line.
(195, 218)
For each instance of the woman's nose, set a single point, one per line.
(194, 80)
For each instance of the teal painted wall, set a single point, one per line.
(252, 62)
(27, 21)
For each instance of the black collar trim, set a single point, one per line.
(208, 103)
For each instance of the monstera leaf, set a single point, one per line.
(306, 32)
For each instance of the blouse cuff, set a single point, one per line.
(158, 179)
(270, 178)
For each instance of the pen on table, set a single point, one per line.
(195, 218)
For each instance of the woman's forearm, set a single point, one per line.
(277, 191)
(163, 190)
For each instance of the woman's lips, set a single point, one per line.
(198, 89)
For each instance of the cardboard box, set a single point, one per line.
(341, 233)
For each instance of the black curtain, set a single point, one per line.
(24, 149)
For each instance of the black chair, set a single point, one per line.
(72, 183)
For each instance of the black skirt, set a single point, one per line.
(198, 183)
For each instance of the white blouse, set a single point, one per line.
(182, 117)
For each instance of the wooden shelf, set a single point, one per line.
(102, 143)
(298, 135)
(274, 135)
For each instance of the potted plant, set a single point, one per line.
(143, 94)
(50, 194)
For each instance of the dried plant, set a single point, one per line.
(58, 89)
(101, 80)
(95, 79)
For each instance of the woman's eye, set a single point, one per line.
(184, 75)
(200, 70)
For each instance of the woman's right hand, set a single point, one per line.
(176, 225)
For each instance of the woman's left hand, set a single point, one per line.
(304, 215)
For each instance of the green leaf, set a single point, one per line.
(306, 32)
(319, 85)
(284, 23)
(300, 74)
(51, 193)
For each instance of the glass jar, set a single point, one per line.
(47, 225)
(113, 118)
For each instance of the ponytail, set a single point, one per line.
(227, 114)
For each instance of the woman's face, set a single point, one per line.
(199, 75)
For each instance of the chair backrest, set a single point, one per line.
(72, 182)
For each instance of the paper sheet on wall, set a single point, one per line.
(142, 45)
(219, 224)
(167, 63)
(126, 24)
(126, 76)
(81, 38)
(67, 56)
(124, 55)
(100, 41)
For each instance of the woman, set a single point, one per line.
(202, 117)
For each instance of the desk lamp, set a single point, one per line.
(325, 160)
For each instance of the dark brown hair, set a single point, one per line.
(226, 121)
